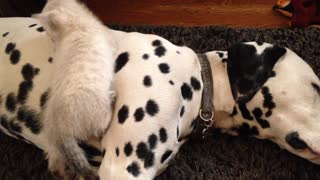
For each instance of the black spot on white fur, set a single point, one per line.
(139, 114)
(11, 102)
(30, 118)
(141, 150)
(257, 112)
(44, 99)
(145, 56)
(246, 130)
(164, 68)
(32, 25)
(36, 71)
(123, 114)
(182, 111)
(268, 113)
(145, 154)
(40, 29)
(152, 140)
(156, 43)
(9, 48)
(28, 72)
(128, 149)
(268, 99)
(50, 59)
(160, 51)
(195, 83)
(121, 61)
(10, 125)
(13, 128)
(245, 112)
(24, 88)
(117, 152)
(186, 92)
(5, 34)
(178, 132)
(147, 82)
(15, 56)
(171, 82)
(152, 107)
(165, 156)
(134, 169)
(163, 135)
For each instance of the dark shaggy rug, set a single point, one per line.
(219, 156)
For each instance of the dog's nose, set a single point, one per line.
(294, 140)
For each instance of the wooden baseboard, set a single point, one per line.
(233, 13)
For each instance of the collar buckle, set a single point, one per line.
(208, 120)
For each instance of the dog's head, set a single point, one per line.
(249, 67)
(275, 93)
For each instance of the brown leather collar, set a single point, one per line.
(206, 113)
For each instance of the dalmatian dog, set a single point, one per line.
(158, 87)
(259, 89)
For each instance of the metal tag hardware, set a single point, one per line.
(206, 112)
(207, 118)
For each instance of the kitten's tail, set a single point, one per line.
(75, 158)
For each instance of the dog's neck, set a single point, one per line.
(222, 97)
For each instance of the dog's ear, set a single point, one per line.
(52, 20)
(273, 54)
(240, 58)
(248, 70)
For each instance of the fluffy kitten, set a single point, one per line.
(81, 85)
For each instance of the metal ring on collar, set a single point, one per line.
(208, 121)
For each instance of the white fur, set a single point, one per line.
(81, 83)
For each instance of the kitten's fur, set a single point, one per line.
(81, 85)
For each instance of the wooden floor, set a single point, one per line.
(233, 13)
